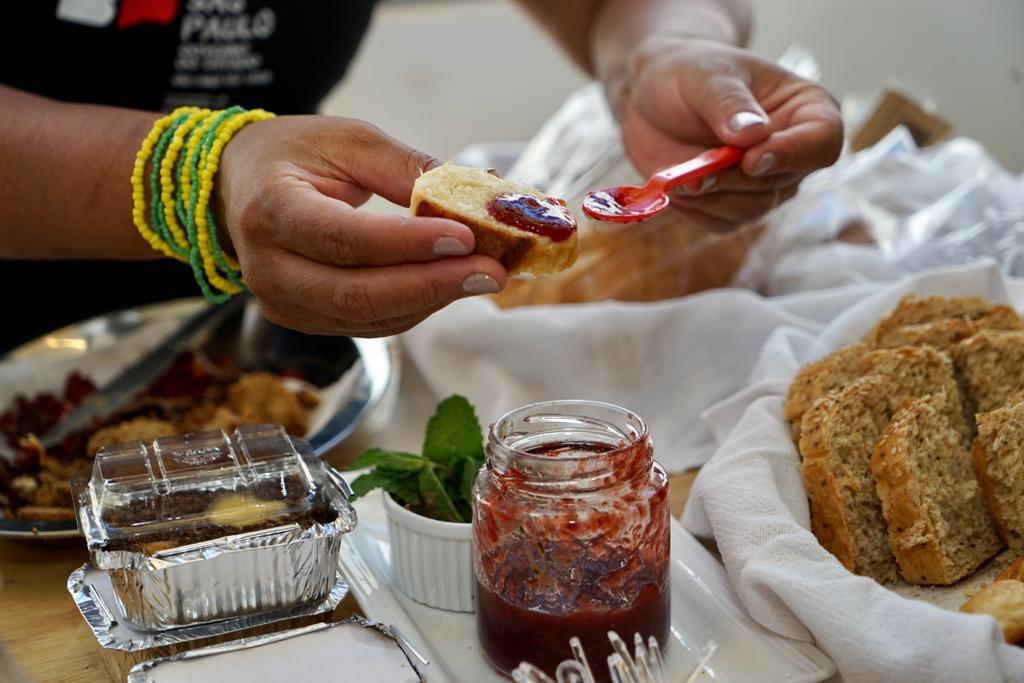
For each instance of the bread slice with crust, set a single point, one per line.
(939, 528)
(914, 310)
(992, 366)
(1015, 572)
(947, 333)
(1003, 600)
(837, 436)
(817, 378)
(916, 371)
(998, 459)
(462, 193)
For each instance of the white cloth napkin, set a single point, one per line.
(750, 498)
(666, 361)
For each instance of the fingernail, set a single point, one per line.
(764, 164)
(745, 119)
(708, 182)
(450, 246)
(479, 283)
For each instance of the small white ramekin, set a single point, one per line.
(432, 560)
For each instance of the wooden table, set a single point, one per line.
(40, 626)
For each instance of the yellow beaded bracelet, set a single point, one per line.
(167, 184)
(208, 167)
(139, 190)
(185, 182)
(187, 145)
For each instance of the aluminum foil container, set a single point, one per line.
(247, 573)
(359, 653)
(228, 576)
(93, 592)
(244, 574)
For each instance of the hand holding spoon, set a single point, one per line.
(629, 204)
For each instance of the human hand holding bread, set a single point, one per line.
(288, 193)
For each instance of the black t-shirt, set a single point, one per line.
(281, 55)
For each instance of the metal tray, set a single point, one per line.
(357, 378)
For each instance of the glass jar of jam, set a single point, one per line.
(571, 535)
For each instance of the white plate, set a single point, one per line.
(704, 609)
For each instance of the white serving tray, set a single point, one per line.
(704, 609)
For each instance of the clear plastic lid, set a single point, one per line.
(194, 481)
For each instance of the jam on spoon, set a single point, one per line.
(547, 217)
(607, 202)
(629, 203)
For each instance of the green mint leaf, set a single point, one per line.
(392, 460)
(438, 484)
(436, 503)
(369, 458)
(466, 468)
(405, 491)
(452, 432)
(403, 487)
(365, 483)
(465, 511)
(402, 462)
(460, 485)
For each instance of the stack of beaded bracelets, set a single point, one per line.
(180, 185)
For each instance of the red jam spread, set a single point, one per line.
(611, 205)
(548, 217)
(511, 634)
(575, 563)
(603, 203)
(554, 450)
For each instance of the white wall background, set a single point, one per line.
(442, 75)
(966, 56)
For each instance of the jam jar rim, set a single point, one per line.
(601, 478)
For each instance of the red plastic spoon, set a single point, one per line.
(629, 204)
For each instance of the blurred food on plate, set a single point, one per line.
(196, 393)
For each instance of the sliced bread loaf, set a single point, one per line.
(844, 427)
(837, 436)
(939, 529)
(999, 465)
